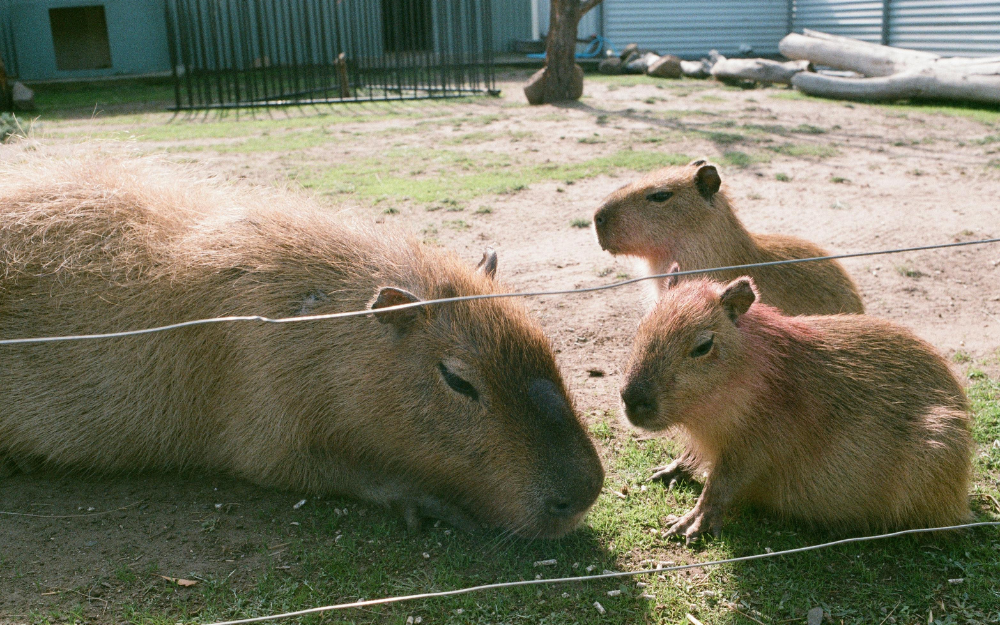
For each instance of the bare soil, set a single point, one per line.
(899, 177)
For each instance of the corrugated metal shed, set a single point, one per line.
(694, 27)
(965, 28)
(861, 19)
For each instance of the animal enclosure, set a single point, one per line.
(235, 54)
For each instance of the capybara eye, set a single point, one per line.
(703, 348)
(458, 384)
(660, 196)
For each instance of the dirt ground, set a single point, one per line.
(895, 177)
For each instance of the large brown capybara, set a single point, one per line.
(845, 421)
(453, 411)
(681, 214)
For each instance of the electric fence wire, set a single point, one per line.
(466, 298)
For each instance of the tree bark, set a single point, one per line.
(562, 78)
(758, 70)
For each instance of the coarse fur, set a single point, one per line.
(844, 421)
(681, 214)
(454, 411)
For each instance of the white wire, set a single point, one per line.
(465, 298)
(587, 578)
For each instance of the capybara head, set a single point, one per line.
(648, 213)
(686, 350)
(495, 433)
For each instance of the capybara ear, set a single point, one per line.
(488, 265)
(391, 296)
(671, 281)
(737, 296)
(708, 181)
(697, 163)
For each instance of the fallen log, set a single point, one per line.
(892, 73)
(925, 84)
(758, 70)
(865, 58)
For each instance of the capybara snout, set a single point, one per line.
(455, 411)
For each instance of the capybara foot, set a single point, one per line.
(695, 523)
(676, 470)
(416, 509)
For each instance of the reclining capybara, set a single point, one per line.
(454, 411)
(845, 421)
(681, 214)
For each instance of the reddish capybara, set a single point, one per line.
(453, 411)
(681, 214)
(845, 421)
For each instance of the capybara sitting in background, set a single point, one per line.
(845, 421)
(454, 411)
(681, 214)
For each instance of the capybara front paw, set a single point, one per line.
(694, 524)
(669, 474)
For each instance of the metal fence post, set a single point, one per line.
(886, 22)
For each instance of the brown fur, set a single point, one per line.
(846, 421)
(352, 406)
(697, 228)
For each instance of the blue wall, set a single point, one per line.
(136, 34)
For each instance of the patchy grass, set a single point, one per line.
(342, 551)
(808, 150)
(460, 175)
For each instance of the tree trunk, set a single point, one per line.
(562, 78)
(892, 73)
(929, 83)
(758, 70)
(865, 58)
(560, 50)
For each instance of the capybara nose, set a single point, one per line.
(639, 401)
(560, 507)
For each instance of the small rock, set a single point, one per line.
(551, 562)
(409, 620)
(591, 568)
(957, 580)
(614, 593)
(23, 97)
(295, 507)
(565, 595)
(695, 69)
(595, 372)
(599, 607)
(610, 66)
(427, 556)
(814, 616)
(667, 66)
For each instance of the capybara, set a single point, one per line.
(844, 421)
(454, 411)
(681, 214)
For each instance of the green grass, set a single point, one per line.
(460, 175)
(798, 150)
(857, 584)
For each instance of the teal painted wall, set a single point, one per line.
(136, 34)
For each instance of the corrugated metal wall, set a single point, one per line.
(946, 27)
(965, 28)
(861, 19)
(694, 27)
(7, 41)
(511, 22)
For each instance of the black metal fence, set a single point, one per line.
(247, 53)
